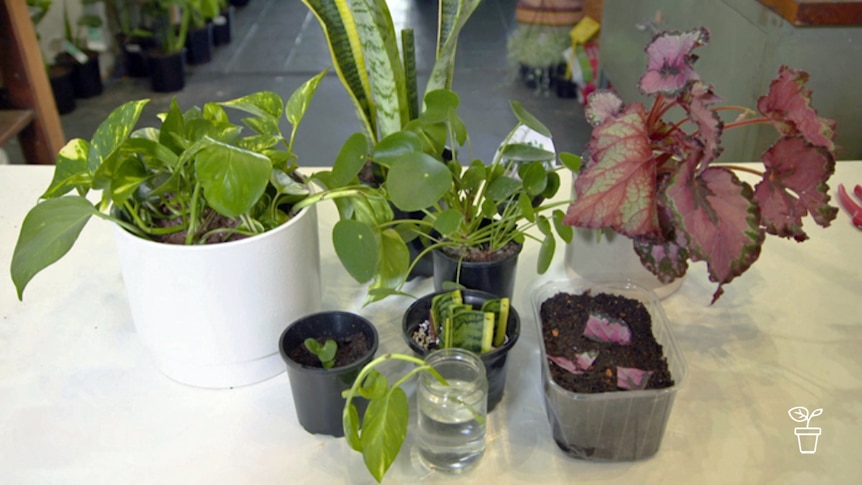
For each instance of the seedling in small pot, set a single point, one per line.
(325, 352)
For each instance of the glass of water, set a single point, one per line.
(452, 418)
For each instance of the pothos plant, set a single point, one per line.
(472, 208)
(655, 177)
(197, 179)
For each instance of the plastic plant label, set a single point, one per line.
(603, 329)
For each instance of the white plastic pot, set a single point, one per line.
(211, 315)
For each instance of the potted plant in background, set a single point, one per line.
(380, 81)
(324, 353)
(216, 231)
(84, 62)
(60, 75)
(223, 23)
(480, 214)
(166, 61)
(125, 18)
(199, 39)
(654, 177)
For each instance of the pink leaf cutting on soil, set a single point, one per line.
(601, 105)
(602, 329)
(632, 379)
(696, 102)
(788, 106)
(617, 186)
(719, 219)
(851, 207)
(669, 64)
(582, 362)
(792, 165)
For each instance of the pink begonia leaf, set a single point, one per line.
(719, 219)
(788, 106)
(582, 362)
(667, 260)
(602, 329)
(792, 165)
(669, 64)
(632, 379)
(709, 126)
(616, 188)
(602, 105)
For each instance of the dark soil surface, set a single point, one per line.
(350, 349)
(564, 317)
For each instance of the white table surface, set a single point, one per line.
(80, 401)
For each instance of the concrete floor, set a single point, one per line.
(278, 44)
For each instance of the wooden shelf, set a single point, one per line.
(13, 122)
(817, 12)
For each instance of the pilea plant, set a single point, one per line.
(472, 209)
(325, 352)
(657, 181)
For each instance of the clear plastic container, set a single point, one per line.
(610, 426)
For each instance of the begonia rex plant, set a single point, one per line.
(656, 180)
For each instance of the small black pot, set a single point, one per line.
(86, 77)
(317, 391)
(223, 27)
(134, 55)
(239, 3)
(495, 277)
(199, 45)
(565, 87)
(63, 88)
(495, 361)
(167, 71)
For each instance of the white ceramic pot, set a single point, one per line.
(611, 257)
(211, 315)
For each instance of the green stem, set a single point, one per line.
(193, 214)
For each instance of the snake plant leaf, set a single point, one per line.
(350, 160)
(383, 61)
(452, 16)
(71, 170)
(48, 232)
(339, 28)
(232, 178)
(408, 53)
(357, 248)
(384, 428)
(528, 119)
(417, 181)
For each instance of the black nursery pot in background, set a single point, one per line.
(134, 55)
(86, 77)
(565, 87)
(166, 71)
(317, 391)
(199, 45)
(495, 277)
(63, 88)
(495, 361)
(223, 27)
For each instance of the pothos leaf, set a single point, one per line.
(350, 425)
(384, 427)
(716, 213)
(617, 189)
(794, 165)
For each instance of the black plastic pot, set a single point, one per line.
(495, 361)
(223, 27)
(199, 45)
(166, 71)
(134, 55)
(565, 87)
(63, 88)
(86, 77)
(495, 277)
(239, 3)
(317, 391)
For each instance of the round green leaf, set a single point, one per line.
(233, 179)
(395, 145)
(535, 178)
(350, 160)
(357, 248)
(528, 119)
(448, 221)
(571, 161)
(417, 181)
(502, 188)
(546, 254)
